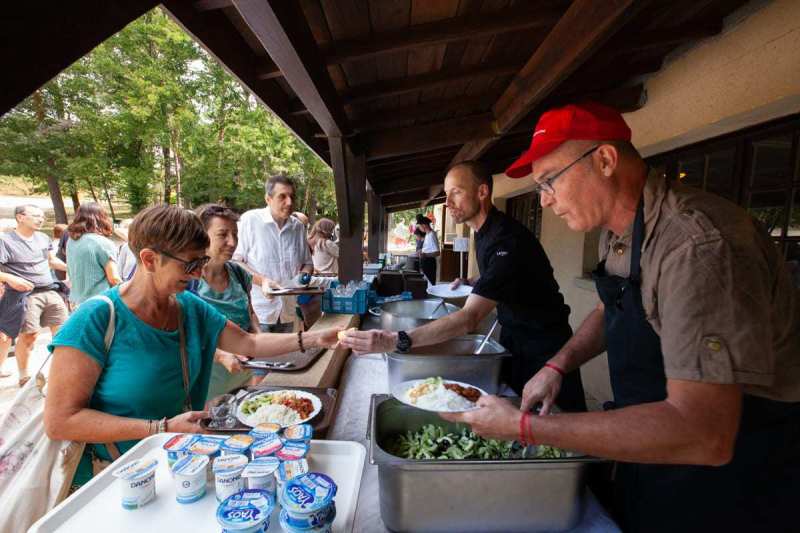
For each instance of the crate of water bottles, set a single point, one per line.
(350, 298)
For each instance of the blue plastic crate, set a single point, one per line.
(350, 305)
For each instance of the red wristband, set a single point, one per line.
(523, 438)
(555, 367)
(528, 426)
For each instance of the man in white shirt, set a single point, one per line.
(273, 247)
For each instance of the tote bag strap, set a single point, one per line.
(187, 402)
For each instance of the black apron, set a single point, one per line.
(757, 491)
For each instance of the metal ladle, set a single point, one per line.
(486, 338)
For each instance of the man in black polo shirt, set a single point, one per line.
(515, 277)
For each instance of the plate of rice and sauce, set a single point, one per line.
(284, 407)
(438, 395)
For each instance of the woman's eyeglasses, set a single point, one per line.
(191, 266)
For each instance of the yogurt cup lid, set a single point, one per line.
(263, 466)
(179, 443)
(292, 451)
(308, 493)
(245, 509)
(228, 464)
(298, 432)
(205, 446)
(291, 469)
(238, 442)
(266, 427)
(136, 469)
(268, 445)
(190, 465)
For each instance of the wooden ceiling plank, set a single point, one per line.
(319, 27)
(413, 139)
(585, 26)
(284, 33)
(424, 110)
(349, 19)
(409, 183)
(436, 33)
(211, 5)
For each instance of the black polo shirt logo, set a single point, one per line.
(502, 253)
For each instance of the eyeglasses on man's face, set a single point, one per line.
(546, 185)
(190, 266)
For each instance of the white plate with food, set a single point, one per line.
(443, 290)
(438, 395)
(283, 407)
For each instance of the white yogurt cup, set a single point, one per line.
(137, 481)
(189, 473)
(228, 474)
(260, 474)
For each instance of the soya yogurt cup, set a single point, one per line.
(177, 447)
(209, 447)
(298, 432)
(237, 444)
(137, 482)
(228, 474)
(190, 478)
(247, 511)
(266, 447)
(292, 451)
(314, 523)
(260, 474)
(290, 470)
(264, 430)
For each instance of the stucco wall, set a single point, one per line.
(747, 75)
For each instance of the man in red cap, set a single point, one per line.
(701, 324)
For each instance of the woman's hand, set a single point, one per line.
(188, 422)
(231, 362)
(542, 387)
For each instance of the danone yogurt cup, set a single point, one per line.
(292, 451)
(137, 481)
(315, 522)
(290, 470)
(264, 430)
(189, 475)
(228, 474)
(236, 444)
(308, 496)
(266, 446)
(177, 447)
(209, 447)
(247, 511)
(298, 432)
(260, 474)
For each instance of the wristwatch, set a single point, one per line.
(403, 342)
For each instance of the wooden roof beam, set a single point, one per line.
(417, 196)
(389, 117)
(400, 141)
(398, 86)
(585, 27)
(410, 182)
(282, 30)
(211, 5)
(443, 32)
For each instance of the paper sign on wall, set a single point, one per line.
(461, 244)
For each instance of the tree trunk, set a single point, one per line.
(108, 198)
(92, 191)
(167, 173)
(57, 199)
(73, 193)
(176, 157)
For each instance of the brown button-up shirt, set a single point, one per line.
(715, 289)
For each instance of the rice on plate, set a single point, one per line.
(283, 407)
(436, 394)
(277, 414)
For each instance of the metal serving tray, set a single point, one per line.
(437, 496)
(452, 359)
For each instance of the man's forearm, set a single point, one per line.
(57, 264)
(588, 342)
(453, 325)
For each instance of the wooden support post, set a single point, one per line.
(350, 178)
(374, 219)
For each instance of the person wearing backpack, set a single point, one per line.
(154, 375)
(226, 286)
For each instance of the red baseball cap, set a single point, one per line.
(588, 121)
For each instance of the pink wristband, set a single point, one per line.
(555, 367)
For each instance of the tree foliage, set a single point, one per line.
(149, 116)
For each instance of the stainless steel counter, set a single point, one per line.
(364, 376)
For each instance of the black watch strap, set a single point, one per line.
(403, 342)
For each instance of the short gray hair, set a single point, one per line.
(269, 185)
(20, 209)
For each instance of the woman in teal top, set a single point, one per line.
(226, 286)
(91, 256)
(136, 387)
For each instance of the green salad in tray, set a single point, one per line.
(435, 442)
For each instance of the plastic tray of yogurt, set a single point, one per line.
(97, 505)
